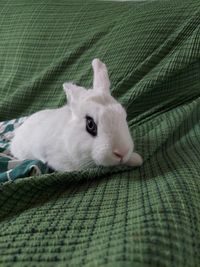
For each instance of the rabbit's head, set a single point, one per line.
(98, 123)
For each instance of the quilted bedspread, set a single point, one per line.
(122, 216)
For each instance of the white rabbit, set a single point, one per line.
(90, 130)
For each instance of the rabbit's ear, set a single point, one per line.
(73, 91)
(101, 80)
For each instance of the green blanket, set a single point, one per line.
(148, 216)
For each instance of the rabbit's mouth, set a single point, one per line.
(110, 161)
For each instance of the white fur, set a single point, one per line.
(59, 138)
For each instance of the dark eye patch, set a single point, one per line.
(91, 126)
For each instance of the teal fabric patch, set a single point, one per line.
(11, 168)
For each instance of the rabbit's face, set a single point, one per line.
(100, 130)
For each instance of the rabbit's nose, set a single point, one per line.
(119, 153)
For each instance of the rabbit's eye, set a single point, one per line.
(91, 126)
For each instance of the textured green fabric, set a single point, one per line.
(148, 216)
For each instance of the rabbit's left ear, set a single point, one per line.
(101, 80)
(73, 91)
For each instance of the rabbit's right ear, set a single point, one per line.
(73, 91)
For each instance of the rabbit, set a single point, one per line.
(90, 130)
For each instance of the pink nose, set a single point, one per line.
(120, 154)
(117, 154)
